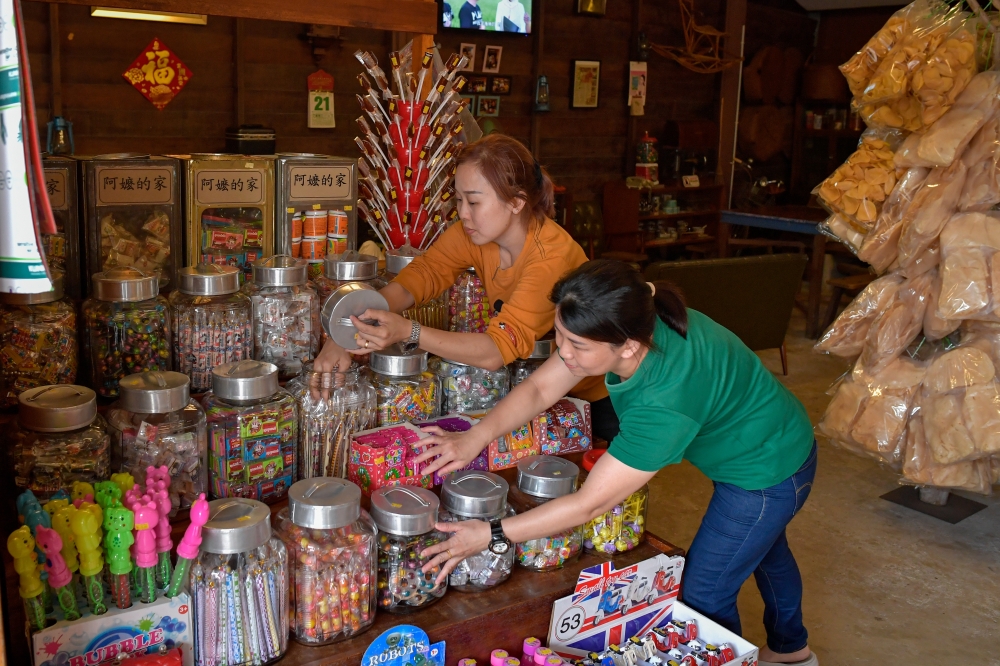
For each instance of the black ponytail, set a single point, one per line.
(608, 301)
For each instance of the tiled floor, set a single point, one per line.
(883, 584)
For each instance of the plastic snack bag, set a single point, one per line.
(858, 187)
(970, 270)
(982, 183)
(897, 326)
(839, 229)
(880, 246)
(932, 206)
(945, 73)
(944, 141)
(860, 69)
(846, 336)
(919, 467)
(935, 326)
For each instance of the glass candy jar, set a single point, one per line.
(332, 407)
(481, 496)
(620, 529)
(285, 314)
(522, 367)
(126, 327)
(38, 344)
(405, 518)
(433, 313)
(253, 432)
(156, 423)
(59, 438)
(466, 388)
(468, 304)
(540, 479)
(332, 560)
(240, 579)
(211, 321)
(404, 389)
(346, 267)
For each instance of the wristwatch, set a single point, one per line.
(499, 543)
(414, 341)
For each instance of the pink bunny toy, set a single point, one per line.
(163, 541)
(59, 574)
(134, 495)
(187, 550)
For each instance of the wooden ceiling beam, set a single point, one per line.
(417, 16)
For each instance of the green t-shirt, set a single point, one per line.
(709, 399)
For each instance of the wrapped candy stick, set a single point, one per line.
(187, 549)
(60, 576)
(21, 546)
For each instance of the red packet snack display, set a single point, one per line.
(564, 428)
(158, 74)
(384, 456)
(513, 447)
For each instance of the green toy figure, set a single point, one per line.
(107, 494)
(118, 524)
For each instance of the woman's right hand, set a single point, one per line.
(331, 358)
(450, 450)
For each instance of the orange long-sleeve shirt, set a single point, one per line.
(527, 313)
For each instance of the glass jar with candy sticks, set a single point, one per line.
(541, 479)
(468, 304)
(405, 390)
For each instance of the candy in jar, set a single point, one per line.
(332, 560)
(285, 313)
(332, 407)
(126, 327)
(156, 423)
(38, 343)
(520, 368)
(345, 267)
(404, 389)
(59, 438)
(433, 313)
(476, 495)
(210, 320)
(468, 304)
(466, 388)
(405, 519)
(239, 587)
(253, 432)
(540, 479)
(621, 528)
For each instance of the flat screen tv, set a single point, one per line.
(513, 16)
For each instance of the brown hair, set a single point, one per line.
(512, 172)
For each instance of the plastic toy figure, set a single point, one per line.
(107, 494)
(59, 575)
(123, 480)
(81, 491)
(86, 524)
(164, 544)
(61, 523)
(118, 524)
(21, 546)
(146, 518)
(187, 550)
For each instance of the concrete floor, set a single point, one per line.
(883, 584)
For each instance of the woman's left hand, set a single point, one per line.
(467, 538)
(391, 329)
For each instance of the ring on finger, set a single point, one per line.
(366, 344)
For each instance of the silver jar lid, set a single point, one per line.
(350, 265)
(394, 362)
(155, 392)
(58, 408)
(53, 294)
(395, 261)
(474, 494)
(351, 298)
(125, 285)
(280, 270)
(236, 525)
(209, 280)
(245, 380)
(404, 510)
(543, 349)
(547, 476)
(324, 503)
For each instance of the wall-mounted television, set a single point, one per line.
(513, 16)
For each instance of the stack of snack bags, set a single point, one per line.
(916, 202)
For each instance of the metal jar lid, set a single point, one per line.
(125, 285)
(280, 270)
(58, 408)
(547, 476)
(324, 503)
(543, 348)
(155, 392)
(394, 362)
(54, 294)
(350, 265)
(236, 525)
(209, 280)
(245, 380)
(395, 262)
(404, 510)
(350, 298)
(473, 494)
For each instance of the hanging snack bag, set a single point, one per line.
(858, 187)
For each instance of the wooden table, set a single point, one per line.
(794, 219)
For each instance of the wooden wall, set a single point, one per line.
(583, 148)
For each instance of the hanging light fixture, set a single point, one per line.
(142, 15)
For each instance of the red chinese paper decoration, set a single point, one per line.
(158, 74)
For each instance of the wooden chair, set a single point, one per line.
(849, 284)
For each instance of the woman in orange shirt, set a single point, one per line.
(505, 202)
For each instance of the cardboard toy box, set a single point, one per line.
(383, 456)
(99, 639)
(563, 428)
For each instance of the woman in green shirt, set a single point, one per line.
(684, 387)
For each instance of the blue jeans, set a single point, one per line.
(743, 531)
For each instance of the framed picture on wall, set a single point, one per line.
(592, 7)
(489, 105)
(586, 84)
(469, 102)
(469, 51)
(500, 85)
(491, 59)
(476, 85)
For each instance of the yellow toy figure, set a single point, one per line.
(81, 491)
(61, 523)
(21, 546)
(123, 480)
(86, 524)
(54, 505)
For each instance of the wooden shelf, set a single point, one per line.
(692, 240)
(670, 216)
(839, 133)
(677, 187)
